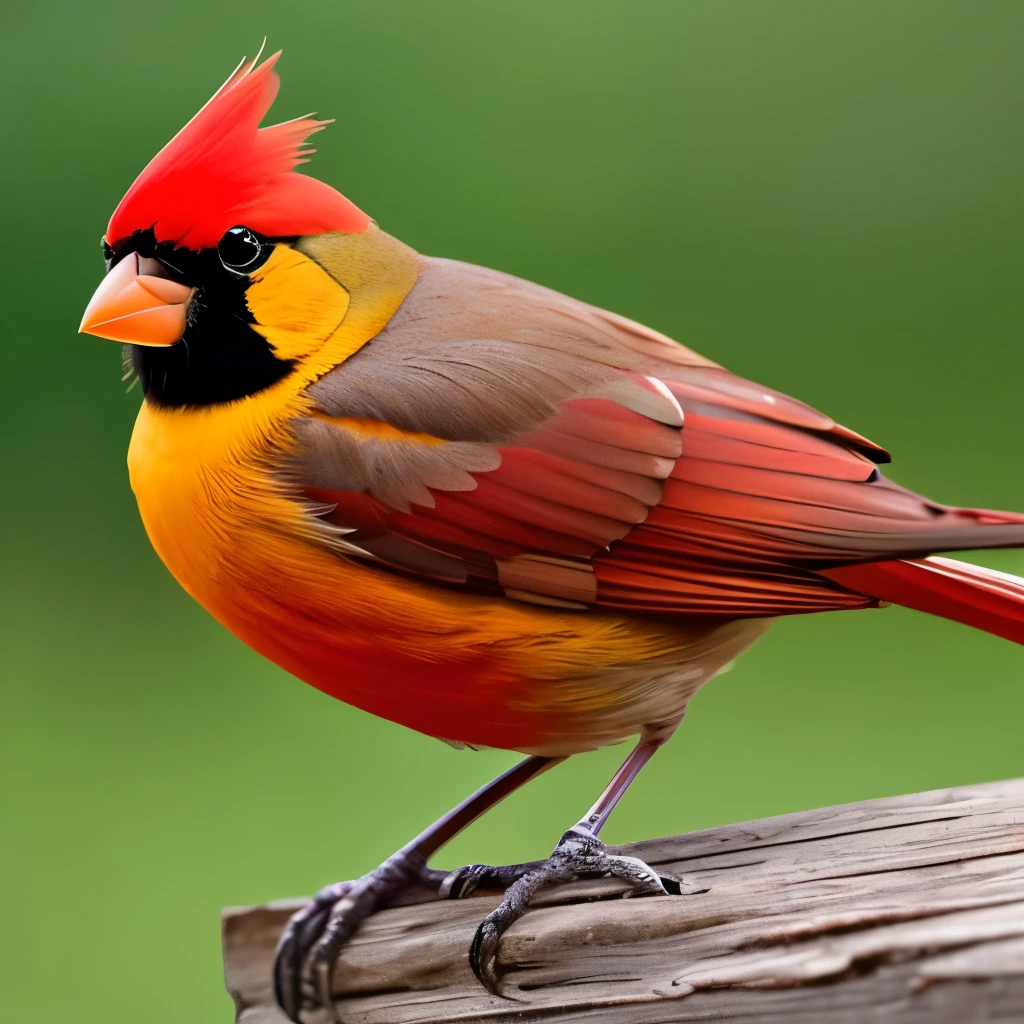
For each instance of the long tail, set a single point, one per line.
(989, 600)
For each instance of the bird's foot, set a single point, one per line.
(578, 855)
(315, 935)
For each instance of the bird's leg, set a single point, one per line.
(320, 929)
(579, 854)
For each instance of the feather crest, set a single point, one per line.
(222, 169)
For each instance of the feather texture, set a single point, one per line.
(521, 442)
(984, 598)
(759, 503)
(536, 441)
(222, 169)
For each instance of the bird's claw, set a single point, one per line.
(314, 937)
(578, 855)
(318, 932)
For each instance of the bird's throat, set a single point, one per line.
(220, 358)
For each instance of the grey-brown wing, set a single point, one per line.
(495, 433)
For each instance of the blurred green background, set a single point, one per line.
(825, 197)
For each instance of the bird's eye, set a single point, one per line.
(242, 250)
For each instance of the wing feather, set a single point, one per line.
(499, 436)
(494, 435)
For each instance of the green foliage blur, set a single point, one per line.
(826, 197)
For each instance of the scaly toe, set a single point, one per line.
(320, 930)
(578, 855)
(299, 936)
(483, 953)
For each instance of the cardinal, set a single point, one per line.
(472, 505)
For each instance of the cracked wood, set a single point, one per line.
(908, 909)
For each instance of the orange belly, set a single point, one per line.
(479, 670)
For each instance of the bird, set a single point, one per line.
(471, 505)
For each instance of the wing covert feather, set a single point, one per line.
(494, 435)
(500, 437)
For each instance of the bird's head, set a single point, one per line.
(222, 260)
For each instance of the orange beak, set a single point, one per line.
(136, 302)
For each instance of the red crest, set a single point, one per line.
(222, 169)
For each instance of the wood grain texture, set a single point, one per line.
(909, 909)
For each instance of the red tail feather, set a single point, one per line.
(989, 600)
